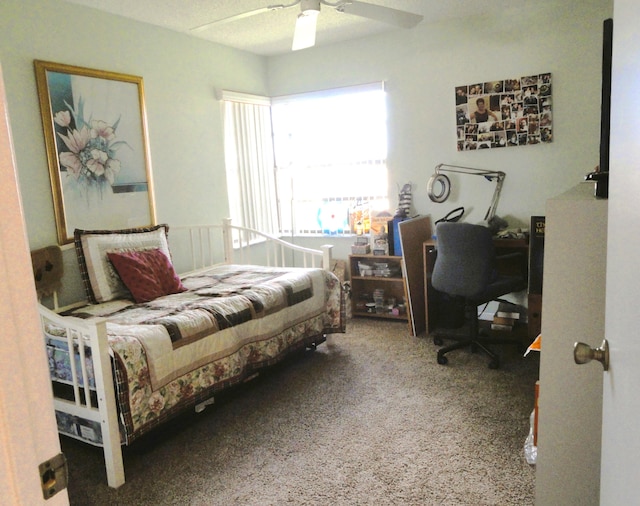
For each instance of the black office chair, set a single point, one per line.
(465, 269)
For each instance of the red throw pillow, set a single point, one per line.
(148, 274)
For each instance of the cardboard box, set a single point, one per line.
(360, 249)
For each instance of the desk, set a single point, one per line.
(511, 266)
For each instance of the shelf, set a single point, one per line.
(363, 288)
(382, 257)
(387, 316)
(375, 278)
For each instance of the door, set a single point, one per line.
(28, 434)
(620, 458)
(573, 305)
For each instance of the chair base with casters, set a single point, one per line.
(474, 340)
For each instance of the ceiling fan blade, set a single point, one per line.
(229, 19)
(304, 35)
(243, 15)
(402, 19)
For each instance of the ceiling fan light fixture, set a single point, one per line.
(305, 32)
(310, 7)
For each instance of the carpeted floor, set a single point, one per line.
(370, 419)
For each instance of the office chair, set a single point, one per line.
(465, 269)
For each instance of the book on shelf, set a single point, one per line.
(497, 326)
(514, 315)
(503, 320)
(536, 254)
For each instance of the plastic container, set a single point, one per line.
(530, 450)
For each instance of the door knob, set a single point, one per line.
(583, 353)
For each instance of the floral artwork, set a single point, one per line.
(95, 136)
(91, 147)
(506, 113)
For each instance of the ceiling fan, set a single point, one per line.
(305, 30)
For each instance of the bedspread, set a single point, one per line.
(232, 320)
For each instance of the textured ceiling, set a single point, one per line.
(271, 32)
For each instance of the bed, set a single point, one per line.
(150, 343)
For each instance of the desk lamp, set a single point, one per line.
(439, 185)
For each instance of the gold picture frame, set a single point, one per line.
(96, 139)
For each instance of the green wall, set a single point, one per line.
(421, 68)
(180, 76)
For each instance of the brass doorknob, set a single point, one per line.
(583, 353)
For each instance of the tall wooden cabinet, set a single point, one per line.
(570, 402)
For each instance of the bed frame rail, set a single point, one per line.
(241, 245)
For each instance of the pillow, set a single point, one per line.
(100, 279)
(148, 274)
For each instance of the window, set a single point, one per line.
(330, 154)
(313, 163)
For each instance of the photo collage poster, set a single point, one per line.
(499, 114)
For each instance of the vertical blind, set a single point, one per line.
(249, 160)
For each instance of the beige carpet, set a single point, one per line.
(372, 419)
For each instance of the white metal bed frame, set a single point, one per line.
(239, 245)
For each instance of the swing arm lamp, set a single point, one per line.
(439, 184)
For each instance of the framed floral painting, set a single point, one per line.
(95, 134)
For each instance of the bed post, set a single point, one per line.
(107, 407)
(89, 339)
(326, 256)
(227, 238)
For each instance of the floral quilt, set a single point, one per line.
(177, 350)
